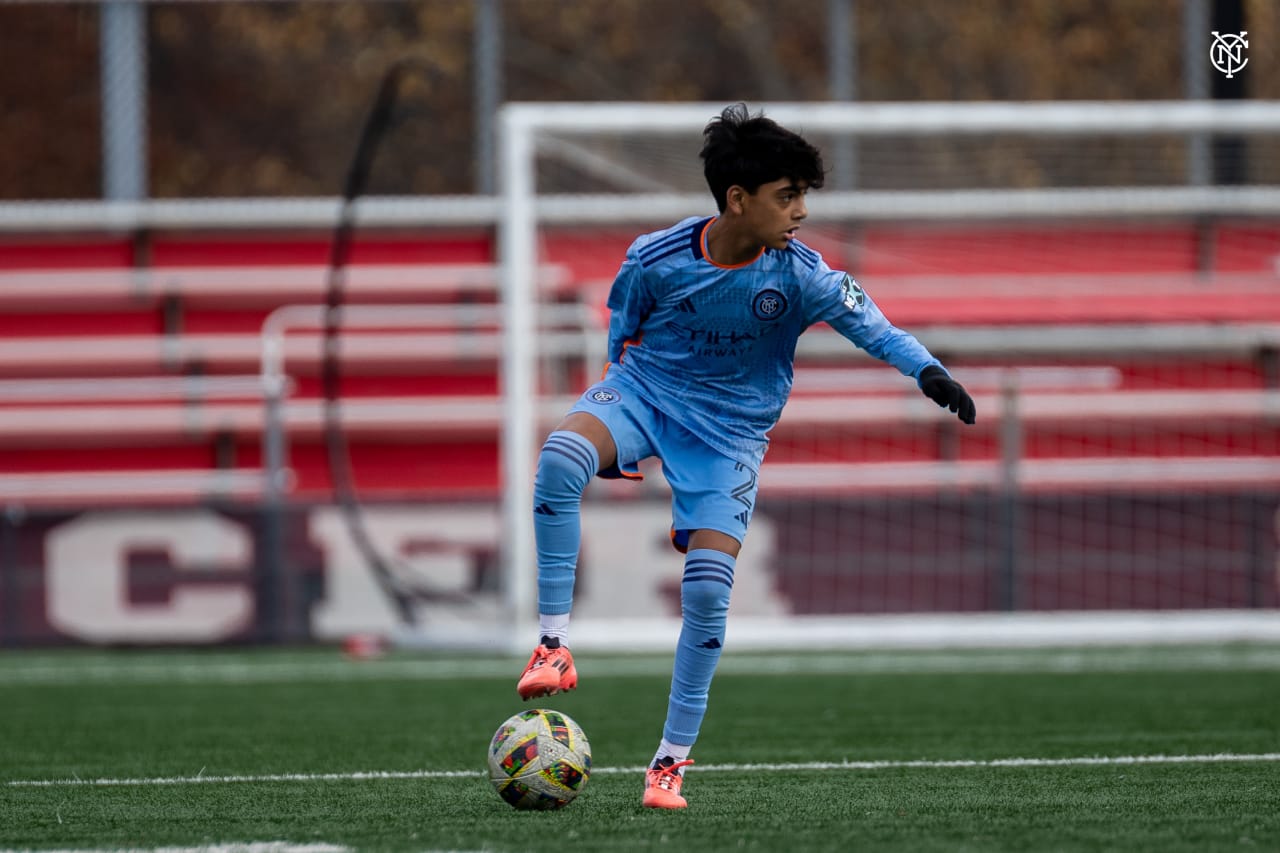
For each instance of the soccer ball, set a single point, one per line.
(539, 759)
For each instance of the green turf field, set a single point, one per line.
(1109, 749)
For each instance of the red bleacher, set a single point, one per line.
(112, 372)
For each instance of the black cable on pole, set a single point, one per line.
(338, 451)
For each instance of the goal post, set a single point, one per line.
(556, 161)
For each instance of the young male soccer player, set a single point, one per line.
(702, 340)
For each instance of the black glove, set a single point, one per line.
(947, 393)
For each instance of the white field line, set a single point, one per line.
(800, 767)
(229, 847)
(40, 669)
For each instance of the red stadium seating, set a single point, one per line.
(420, 407)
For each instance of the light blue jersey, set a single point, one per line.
(713, 347)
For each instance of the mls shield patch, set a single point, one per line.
(854, 297)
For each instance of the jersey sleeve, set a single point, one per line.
(835, 298)
(630, 301)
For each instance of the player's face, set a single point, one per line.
(775, 211)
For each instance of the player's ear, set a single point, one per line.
(733, 199)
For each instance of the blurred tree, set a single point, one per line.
(267, 98)
(49, 130)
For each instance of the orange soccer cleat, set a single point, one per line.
(550, 670)
(662, 785)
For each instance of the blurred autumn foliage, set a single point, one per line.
(266, 98)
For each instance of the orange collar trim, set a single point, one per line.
(706, 254)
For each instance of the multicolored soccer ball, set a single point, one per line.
(539, 759)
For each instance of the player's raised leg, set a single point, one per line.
(570, 457)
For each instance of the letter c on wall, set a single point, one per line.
(86, 583)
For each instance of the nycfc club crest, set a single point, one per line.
(769, 305)
(1227, 52)
(603, 396)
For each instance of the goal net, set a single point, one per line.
(1105, 279)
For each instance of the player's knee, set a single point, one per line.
(565, 466)
(705, 599)
(706, 585)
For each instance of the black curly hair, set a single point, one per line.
(745, 150)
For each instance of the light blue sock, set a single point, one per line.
(565, 466)
(704, 604)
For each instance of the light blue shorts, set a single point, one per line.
(709, 490)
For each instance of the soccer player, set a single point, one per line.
(702, 339)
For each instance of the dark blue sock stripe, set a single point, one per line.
(700, 563)
(727, 562)
(573, 450)
(577, 463)
(709, 570)
(703, 573)
(707, 576)
(577, 444)
(715, 568)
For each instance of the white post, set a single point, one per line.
(517, 234)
